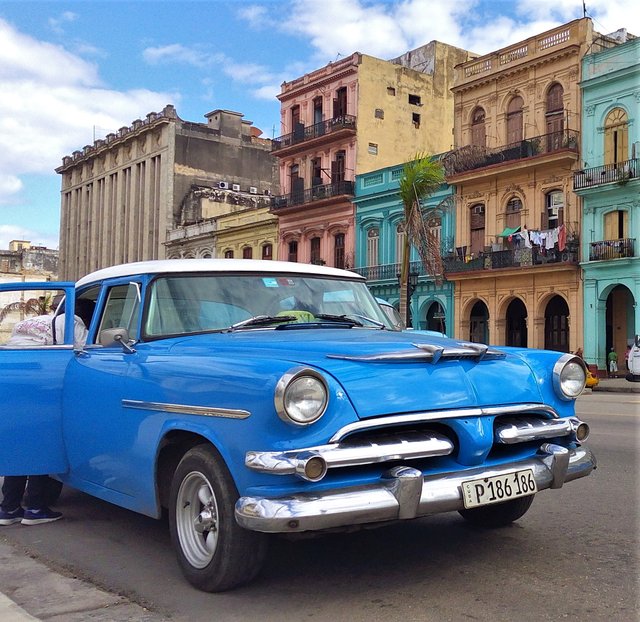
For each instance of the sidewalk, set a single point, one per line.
(617, 385)
(57, 598)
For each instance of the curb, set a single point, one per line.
(11, 612)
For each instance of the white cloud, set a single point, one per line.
(56, 23)
(9, 186)
(178, 53)
(51, 100)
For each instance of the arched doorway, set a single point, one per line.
(620, 322)
(516, 324)
(436, 318)
(556, 325)
(479, 323)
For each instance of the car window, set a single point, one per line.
(196, 303)
(122, 309)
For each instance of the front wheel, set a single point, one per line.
(499, 514)
(214, 552)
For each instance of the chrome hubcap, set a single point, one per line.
(197, 519)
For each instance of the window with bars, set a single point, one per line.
(373, 241)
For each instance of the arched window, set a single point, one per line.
(554, 117)
(478, 131)
(267, 251)
(616, 137)
(514, 120)
(477, 228)
(247, 252)
(553, 215)
(513, 213)
(293, 250)
(373, 241)
(228, 254)
(314, 251)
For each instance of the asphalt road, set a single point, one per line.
(574, 556)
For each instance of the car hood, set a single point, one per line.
(384, 372)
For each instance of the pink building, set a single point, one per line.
(351, 117)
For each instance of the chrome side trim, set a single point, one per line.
(427, 352)
(394, 420)
(408, 446)
(187, 409)
(401, 493)
(526, 429)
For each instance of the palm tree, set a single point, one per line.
(421, 177)
(33, 306)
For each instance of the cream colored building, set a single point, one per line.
(122, 196)
(517, 134)
(224, 224)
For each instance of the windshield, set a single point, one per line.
(210, 302)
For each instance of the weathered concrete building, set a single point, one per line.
(353, 116)
(122, 196)
(24, 261)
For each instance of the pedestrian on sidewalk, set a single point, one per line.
(33, 488)
(612, 359)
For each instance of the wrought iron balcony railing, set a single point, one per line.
(621, 172)
(302, 133)
(513, 258)
(611, 249)
(472, 157)
(339, 188)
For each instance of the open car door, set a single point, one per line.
(32, 375)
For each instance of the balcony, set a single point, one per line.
(512, 258)
(472, 157)
(331, 128)
(322, 194)
(620, 173)
(611, 249)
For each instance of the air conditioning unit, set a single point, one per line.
(224, 185)
(253, 190)
(235, 187)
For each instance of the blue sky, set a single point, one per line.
(72, 71)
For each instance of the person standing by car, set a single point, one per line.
(33, 489)
(612, 359)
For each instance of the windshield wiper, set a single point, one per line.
(261, 320)
(349, 319)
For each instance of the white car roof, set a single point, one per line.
(162, 266)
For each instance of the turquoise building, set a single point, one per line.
(609, 185)
(379, 218)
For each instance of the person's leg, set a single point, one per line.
(12, 492)
(37, 511)
(35, 498)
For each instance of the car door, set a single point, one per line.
(100, 437)
(32, 382)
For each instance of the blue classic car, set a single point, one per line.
(258, 397)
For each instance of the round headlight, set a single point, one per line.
(569, 377)
(301, 396)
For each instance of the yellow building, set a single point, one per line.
(517, 122)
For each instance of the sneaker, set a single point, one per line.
(36, 517)
(9, 518)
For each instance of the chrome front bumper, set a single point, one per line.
(404, 492)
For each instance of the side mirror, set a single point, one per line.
(111, 336)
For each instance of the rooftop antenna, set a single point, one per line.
(584, 9)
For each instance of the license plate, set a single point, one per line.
(477, 492)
